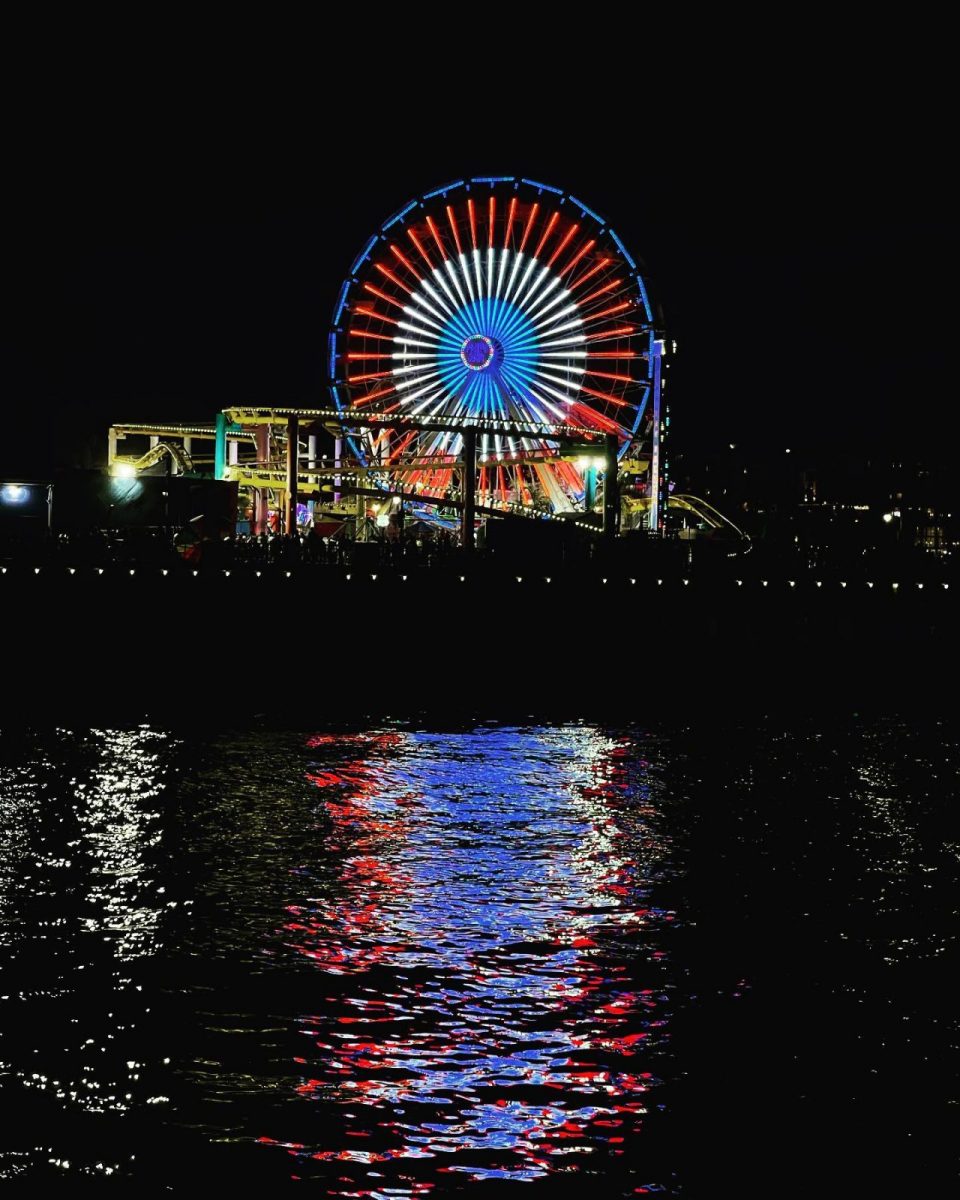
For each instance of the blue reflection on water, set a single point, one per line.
(493, 918)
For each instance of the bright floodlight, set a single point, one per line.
(13, 493)
(888, 517)
(124, 470)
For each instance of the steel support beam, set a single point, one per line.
(469, 489)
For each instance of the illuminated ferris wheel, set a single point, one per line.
(509, 304)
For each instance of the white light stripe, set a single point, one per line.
(464, 270)
(416, 329)
(558, 299)
(504, 255)
(575, 368)
(563, 397)
(448, 263)
(562, 416)
(438, 299)
(559, 379)
(411, 312)
(570, 341)
(527, 303)
(438, 275)
(564, 312)
(523, 282)
(408, 383)
(513, 275)
(569, 325)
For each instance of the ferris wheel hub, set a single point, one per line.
(477, 352)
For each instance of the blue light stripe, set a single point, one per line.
(646, 303)
(364, 254)
(623, 250)
(342, 301)
(493, 179)
(589, 211)
(545, 186)
(441, 191)
(401, 214)
(333, 356)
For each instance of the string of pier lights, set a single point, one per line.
(389, 575)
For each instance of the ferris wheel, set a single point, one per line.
(506, 302)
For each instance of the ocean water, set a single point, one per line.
(392, 959)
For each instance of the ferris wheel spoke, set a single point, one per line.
(581, 253)
(452, 306)
(402, 258)
(544, 303)
(411, 233)
(531, 265)
(551, 224)
(463, 264)
(451, 270)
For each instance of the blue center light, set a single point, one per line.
(477, 352)
(488, 353)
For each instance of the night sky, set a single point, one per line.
(162, 262)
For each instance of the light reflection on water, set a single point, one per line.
(399, 962)
(501, 877)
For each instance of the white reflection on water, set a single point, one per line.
(19, 792)
(120, 822)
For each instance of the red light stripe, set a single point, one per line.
(387, 354)
(598, 418)
(491, 218)
(373, 396)
(585, 249)
(611, 375)
(423, 254)
(607, 287)
(436, 237)
(620, 331)
(364, 378)
(590, 274)
(368, 287)
(372, 312)
(406, 261)
(530, 220)
(546, 233)
(603, 396)
(365, 333)
(512, 210)
(393, 278)
(606, 312)
(453, 226)
(563, 245)
(473, 222)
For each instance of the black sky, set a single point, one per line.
(163, 260)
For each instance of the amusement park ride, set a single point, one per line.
(493, 351)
